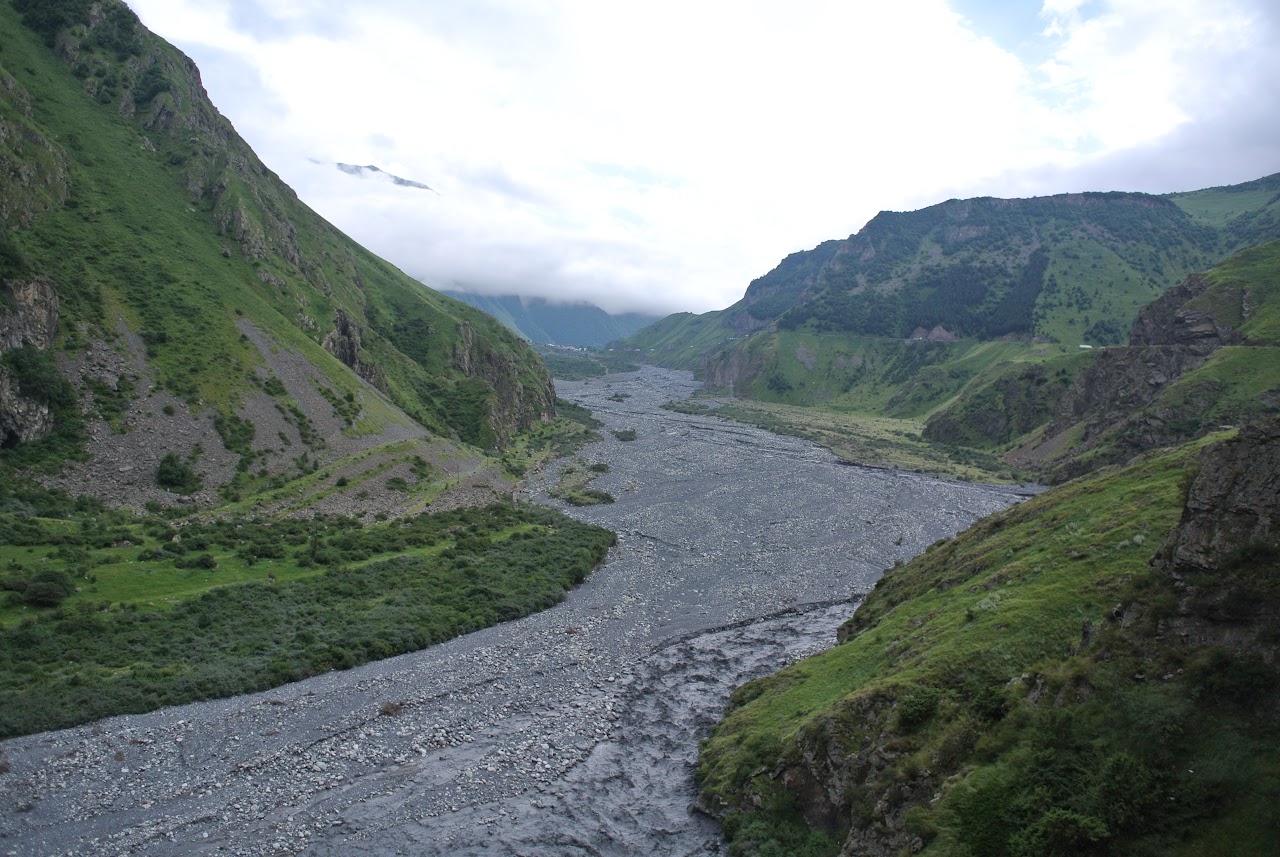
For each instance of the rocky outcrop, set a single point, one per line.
(1172, 320)
(28, 313)
(345, 343)
(28, 318)
(1233, 504)
(1139, 397)
(22, 419)
(515, 404)
(1224, 561)
(733, 368)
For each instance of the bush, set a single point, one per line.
(176, 475)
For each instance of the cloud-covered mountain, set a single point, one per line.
(538, 320)
(369, 171)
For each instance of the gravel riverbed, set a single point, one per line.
(570, 732)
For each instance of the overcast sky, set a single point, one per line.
(660, 155)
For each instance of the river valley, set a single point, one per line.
(570, 732)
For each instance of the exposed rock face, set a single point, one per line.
(21, 419)
(28, 317)
(1224, 557)
(1169, 321)
(28, 313)
(515, 406)
(1118, 407)
(1233, 503)
(344, 342)
(733, 367)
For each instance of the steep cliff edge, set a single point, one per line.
(190, 283)
(1040, 684)
(1203, 355)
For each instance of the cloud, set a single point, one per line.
(660, 156)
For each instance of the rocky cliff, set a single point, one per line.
(28, 319)
(1201, 356)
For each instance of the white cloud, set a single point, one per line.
(663, 155)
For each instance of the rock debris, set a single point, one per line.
(570, 732)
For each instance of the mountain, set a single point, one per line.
(236, 448)
(372, 172)
(1058, 271)
(582, 325)
(164, 293)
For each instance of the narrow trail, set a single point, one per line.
(571, 732)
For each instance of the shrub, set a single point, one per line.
(176, 475)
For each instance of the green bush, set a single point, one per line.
(176, 475)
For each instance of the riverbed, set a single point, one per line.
(570, 732)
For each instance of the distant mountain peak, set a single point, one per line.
(370, 171)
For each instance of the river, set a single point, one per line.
(570, 732)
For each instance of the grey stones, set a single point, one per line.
(740, 553)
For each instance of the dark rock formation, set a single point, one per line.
(28, 317)
(344, 342)
(1121, 405)
(1233, 504)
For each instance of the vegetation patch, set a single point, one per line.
(574, 484)
(579, 366)
(128, 615)
(177, 476)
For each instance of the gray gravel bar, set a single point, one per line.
(571, 732)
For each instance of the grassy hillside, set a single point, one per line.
(151, 218)
(679, 341)
(1204, 355)
(1020, 690)
(1244, 215)
(236, 448)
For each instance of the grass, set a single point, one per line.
(578, 366)
(574, 483)
(857, 438)
(282, 600)
(942, 671)
(1093, 294)
(1219, 206)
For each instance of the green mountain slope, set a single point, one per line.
(189, 296)
(1040, 684)
(582, 325)
(1204, 355)
(971, 314)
